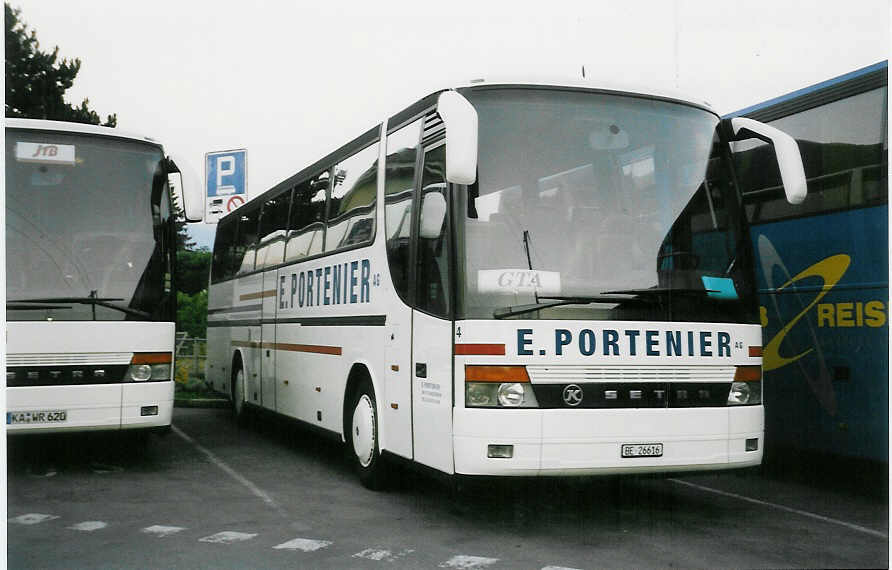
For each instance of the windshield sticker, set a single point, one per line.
(518, 281)
(719, 287)
(45, 153)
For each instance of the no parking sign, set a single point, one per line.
(226, 182)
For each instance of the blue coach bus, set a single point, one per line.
(822, 268)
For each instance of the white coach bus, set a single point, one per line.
(90, 304)
(507, 279)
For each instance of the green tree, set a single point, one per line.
(184, 241)
(36, 81)
(193, 268)
(192, 313)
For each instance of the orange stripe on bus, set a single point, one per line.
(480, 349)
(258, 295)
(312, 348)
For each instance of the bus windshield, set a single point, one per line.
(601, 206)
(85, 228)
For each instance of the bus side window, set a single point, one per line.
(432, 275)
(273, 224)
(351, 213)
(844, 160)
(306, 226)
(223, 244)
(246, 239)
(399, 192)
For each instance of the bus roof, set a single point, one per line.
(859, 80)
(591, 85)
(63, 126)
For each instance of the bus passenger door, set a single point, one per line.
(268, 341)
(432, 393)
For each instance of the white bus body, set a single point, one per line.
(577, 310)
(89, 261)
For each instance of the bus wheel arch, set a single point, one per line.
(362, 428)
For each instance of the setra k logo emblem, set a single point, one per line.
(572, 395)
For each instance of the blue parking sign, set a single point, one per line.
(226, 175)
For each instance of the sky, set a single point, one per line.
(292, 81)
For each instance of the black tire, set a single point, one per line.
(362, 443)
(239, 406)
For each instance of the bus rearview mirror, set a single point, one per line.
(460, 119)
(185, 189)
(789, 159)
(433, 212)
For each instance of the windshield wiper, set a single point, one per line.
(19, 306)
(94, 301)
(659, 291)
(607, 297)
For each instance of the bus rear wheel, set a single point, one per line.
(364, 439)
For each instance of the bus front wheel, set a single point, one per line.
(364, 438)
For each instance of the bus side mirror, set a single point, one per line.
(185, 189)
(460, 119)
(433, 212)
(785, 149)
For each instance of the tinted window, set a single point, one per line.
(273, 225)
(224, 250)
(351, 218)
(843, 147)
(432, 292)
(90, 222)
(246, 240)
(399, 183)
(306, 228)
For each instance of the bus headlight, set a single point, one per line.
(498, 387)
(161, 372)
(140, 372)
(499, 395)
(146, 366)
(745, 394)
(511, 395)
(746, 390)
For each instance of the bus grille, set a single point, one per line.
(617, 387)
(56, 375)
(579, 374)
(68, 359)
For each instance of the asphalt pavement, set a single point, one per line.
(272, 494)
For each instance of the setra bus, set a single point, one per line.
(507, 278)
(90, 303)
(823, 268)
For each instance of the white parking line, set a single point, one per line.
(162, 531)
(468, 562)
(382, 555)
(32, 518)
(229, 470)
(303, 544)
(88, 526)
(558, 568)
(228, 537)
(822, 518)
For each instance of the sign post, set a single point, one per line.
(226, 182)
